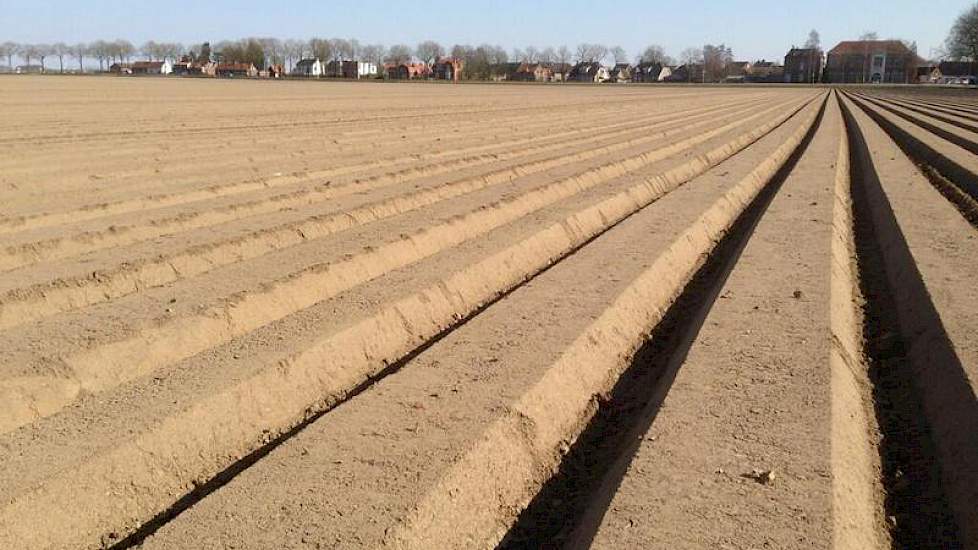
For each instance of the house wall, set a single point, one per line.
(857, 68)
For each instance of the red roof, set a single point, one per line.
(870, 46)
(235, 67)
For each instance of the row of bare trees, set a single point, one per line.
(264, 52)
(105, 52)
(288, 52)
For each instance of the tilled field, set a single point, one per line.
(290, 315)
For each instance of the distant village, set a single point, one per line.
(861, 61)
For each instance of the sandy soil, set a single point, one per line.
(286, 314)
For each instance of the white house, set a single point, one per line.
(360, 69)
(353, 70)
(152, 67)
(309, 67)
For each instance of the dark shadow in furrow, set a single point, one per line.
(898, 305)
(939, 115)
(939, 170)
(944, 109)
(569, 508)
(964, 143)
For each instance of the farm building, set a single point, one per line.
(589, 71)
(505, 71)
(685, 73)
(621, 73)
(229, 70)
(449, 68)
(273, 71)
(948, 71)
(353, 70)
(880, 61)
(561, 71)
(407, 71)
(738, 69)
(646, 72)
(533, 72)
(765, 71)
(190, 66)
(152, 68)
(308, 67)
(120, 68)
(803, 65)
(356, 70)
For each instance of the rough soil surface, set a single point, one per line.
(300, 314)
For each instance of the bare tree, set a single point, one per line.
(462, 51)
(8, 50)
(814, 41)
(294, 51)
(340, 49)
(42, 51)
(98, 49)
(151, 50)
(27, 52)
(591, 53)
(497, 55)
(79, 51)
(962, 41)
(654, 54)
(715, 61)
(564, 55)
(548, 56)
(429, 51)
(869, 35)
(374, 53)
(531, 55)
(691, 57)
(124, 49)
(619, 54)
(60, 50)
(321, 49)
(399, 54)
(172, 51)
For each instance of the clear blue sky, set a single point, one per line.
(754, 29)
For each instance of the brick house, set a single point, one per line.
(239, 70)
(621, 73)
(863, 61)
(188, 66)
(684, 73)
(152, 67)
(765, 71)
(803, 65)
(533, 72)
(589, 72)
(646, 72)
(950, 71)
(738, 69)
(449, 68)
(309, 67)
(407, 71)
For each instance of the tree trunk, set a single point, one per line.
(61, 60)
